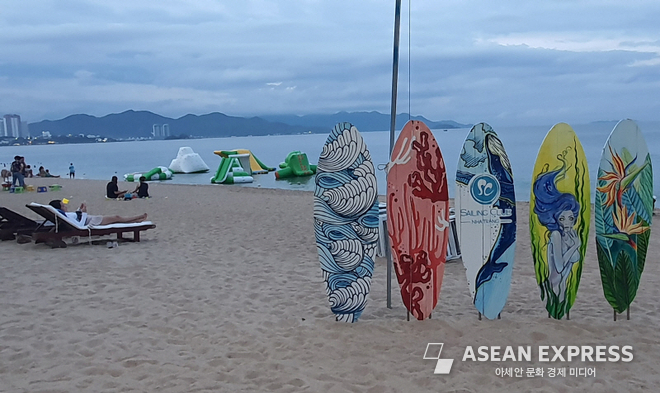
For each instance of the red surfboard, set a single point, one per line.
(418, 217)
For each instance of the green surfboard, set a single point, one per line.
(624, 209)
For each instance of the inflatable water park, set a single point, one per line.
(238, 166)
(187, 161)
(295, 164)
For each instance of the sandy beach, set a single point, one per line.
(226, 295)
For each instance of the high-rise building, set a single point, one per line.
(25, 129)
(160, 131)
(12, 125)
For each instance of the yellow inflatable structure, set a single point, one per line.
(256, 166)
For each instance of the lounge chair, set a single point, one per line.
(64, 227)
(13, 224)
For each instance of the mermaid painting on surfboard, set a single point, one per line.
(559, 218)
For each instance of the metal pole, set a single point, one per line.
(395, 72)
(395, 79)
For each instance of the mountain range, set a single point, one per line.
(139, 124)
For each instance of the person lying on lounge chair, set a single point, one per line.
(81, 214)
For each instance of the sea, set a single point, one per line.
(101, 161)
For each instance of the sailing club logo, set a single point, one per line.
(433, 352)
(484, 188)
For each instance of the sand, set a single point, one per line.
(226, 295)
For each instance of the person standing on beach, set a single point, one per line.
(17, 170)
(72, 171)
(24, 170)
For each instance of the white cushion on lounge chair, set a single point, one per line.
(121, 225)
(83, 227)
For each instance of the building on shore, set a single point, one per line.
(160, 131)
(12, 126)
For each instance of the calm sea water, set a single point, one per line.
(103, 160)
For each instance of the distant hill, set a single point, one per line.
(364, 121)
(137, 124)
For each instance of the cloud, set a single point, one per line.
(514, 62)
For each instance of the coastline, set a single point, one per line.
(225, 294)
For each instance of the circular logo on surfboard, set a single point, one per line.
(484, 188)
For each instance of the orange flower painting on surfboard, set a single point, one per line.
(418, 217)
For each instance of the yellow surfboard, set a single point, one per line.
(559, 214)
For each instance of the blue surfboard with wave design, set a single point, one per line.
(346, 220)
(486, 218)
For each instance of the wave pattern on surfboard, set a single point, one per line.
(418, 217)
(346, 220)
(485, 203)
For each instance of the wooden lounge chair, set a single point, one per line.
(64, 227)
(13, 224)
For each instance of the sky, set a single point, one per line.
(505, 62)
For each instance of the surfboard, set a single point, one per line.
(418, 217)
(559, 214)
(346, 220)
(623, 213)
(485, 205)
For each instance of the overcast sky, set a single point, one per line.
(505, 62)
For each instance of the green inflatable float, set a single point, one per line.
(234, 168)
(295, 164)
(158, 173)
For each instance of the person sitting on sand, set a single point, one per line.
(86, 219)
(45, 172)
(6, 174)
(49, 175)
(142, 190)
(112, 189)
(28, 171)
